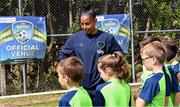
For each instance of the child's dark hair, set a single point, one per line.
(72, 67)
(171, 50)
(117, 63)
(87, 10)
(170, 47)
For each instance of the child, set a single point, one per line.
(115, 71)
(175, 65)
(70, 72)
(146, 72)
(171, 52)
(154, 90)
(144, 42)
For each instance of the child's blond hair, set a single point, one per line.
(155, 49)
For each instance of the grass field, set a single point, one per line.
(42, 100)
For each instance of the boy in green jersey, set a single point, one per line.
(115, 92)
(70, 72)
(154, 89)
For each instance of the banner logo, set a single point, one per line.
(110, 26)
(22, 31)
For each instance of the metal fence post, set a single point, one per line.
(132, 40)
(24, 66)
(3, 79)
(20, 7)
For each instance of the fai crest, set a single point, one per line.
(110, 26)
(22, 31)
(100, 45)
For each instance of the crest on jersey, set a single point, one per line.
(100, 45)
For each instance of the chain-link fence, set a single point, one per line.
(62, 17)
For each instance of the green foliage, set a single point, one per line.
(13, 88)
(161, 13)
(8, 7)
(75, 25)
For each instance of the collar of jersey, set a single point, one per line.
(74, 89)
(156, 72)
(114, 80)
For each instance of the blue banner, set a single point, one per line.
(117, 25)
(22, 38)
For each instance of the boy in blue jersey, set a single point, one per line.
(144, 42)
(146, 73)
(88, 45)
(70, 72)
(153, 91)
(115, 92)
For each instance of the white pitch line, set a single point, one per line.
(33, 94)
(50, 92)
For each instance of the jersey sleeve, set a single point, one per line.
(149, 90)
(176, 68)
(175, 83)
(168, 84)
(63, 103)
(99, 99)
(67, 49)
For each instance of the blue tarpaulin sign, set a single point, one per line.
(117, 25)
(22, 38)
